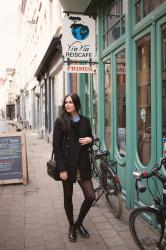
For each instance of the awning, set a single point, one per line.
(75, 5)
(52, 55)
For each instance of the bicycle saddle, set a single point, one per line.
(100, 153)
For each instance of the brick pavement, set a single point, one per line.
(32, 217)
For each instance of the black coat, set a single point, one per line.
(70, 155)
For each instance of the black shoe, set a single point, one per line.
(72, 236)
(82, 231)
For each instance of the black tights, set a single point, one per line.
(88, 190)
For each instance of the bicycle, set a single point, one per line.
(105, 179)
(151, 234)
(16, 127)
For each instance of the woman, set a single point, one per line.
(72, 138)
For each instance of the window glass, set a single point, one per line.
(144, 7)
(114, 33)
(95, 98)
(87, 96)
(58, 93)
(164, 83)
(143, 55)
(121, 101)
(42, 105)
(113, 21)
(114, 14)
(108, 86)
(138, 11)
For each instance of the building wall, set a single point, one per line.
(39, 23)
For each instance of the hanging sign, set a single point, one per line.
(78, 38)
(79, 68)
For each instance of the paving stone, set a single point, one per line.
(54, 244)
(2, 246)
(41, 247)
(108, 233)
(14, 244)
(33, 233)
(100, 218)
(114, 241)
(33, 241)
(31, 226)
(14, 233)
(97, 247)
(103, 225)
(119, 248)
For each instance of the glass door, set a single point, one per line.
(150, 52)
(89, 96)
(114, 67)
(143, 88)
(161, 82)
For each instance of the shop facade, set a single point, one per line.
(125, 98)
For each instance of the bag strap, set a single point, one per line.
(52, 155)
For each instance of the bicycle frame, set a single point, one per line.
(158, 209)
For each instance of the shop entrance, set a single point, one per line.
(10, 111)
(150, 126)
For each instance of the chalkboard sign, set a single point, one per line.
(13, 160)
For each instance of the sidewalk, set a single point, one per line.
(32, 217)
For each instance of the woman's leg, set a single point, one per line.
(89, 194)
(68, 204)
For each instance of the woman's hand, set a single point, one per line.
(63, 175)
(85, 140)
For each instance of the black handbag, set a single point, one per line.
(52, 170)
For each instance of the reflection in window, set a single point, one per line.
(113, 21)
(143, 56)
(95, 97)
(138, 11)
(58, 93)
(164, 79)
(144, 7)
(87, 97)
(108, 85)
(121, 101)
(42, 105)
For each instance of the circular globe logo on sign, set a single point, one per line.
(79, 31)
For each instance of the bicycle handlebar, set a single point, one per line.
(147, 174)
(96, 142)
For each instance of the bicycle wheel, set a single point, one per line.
(96, 179)
(113, 195)
(96, 172)
(141, 223)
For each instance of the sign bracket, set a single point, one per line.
(94, 15)
(68, 61)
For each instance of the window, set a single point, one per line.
(143, 77)
(164, 46)
(108, 87)
(121, 101)
(95, 101)
(164, 81)
(113, 21)
(144, 7)
(87, 96)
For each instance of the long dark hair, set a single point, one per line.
(65, 117)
